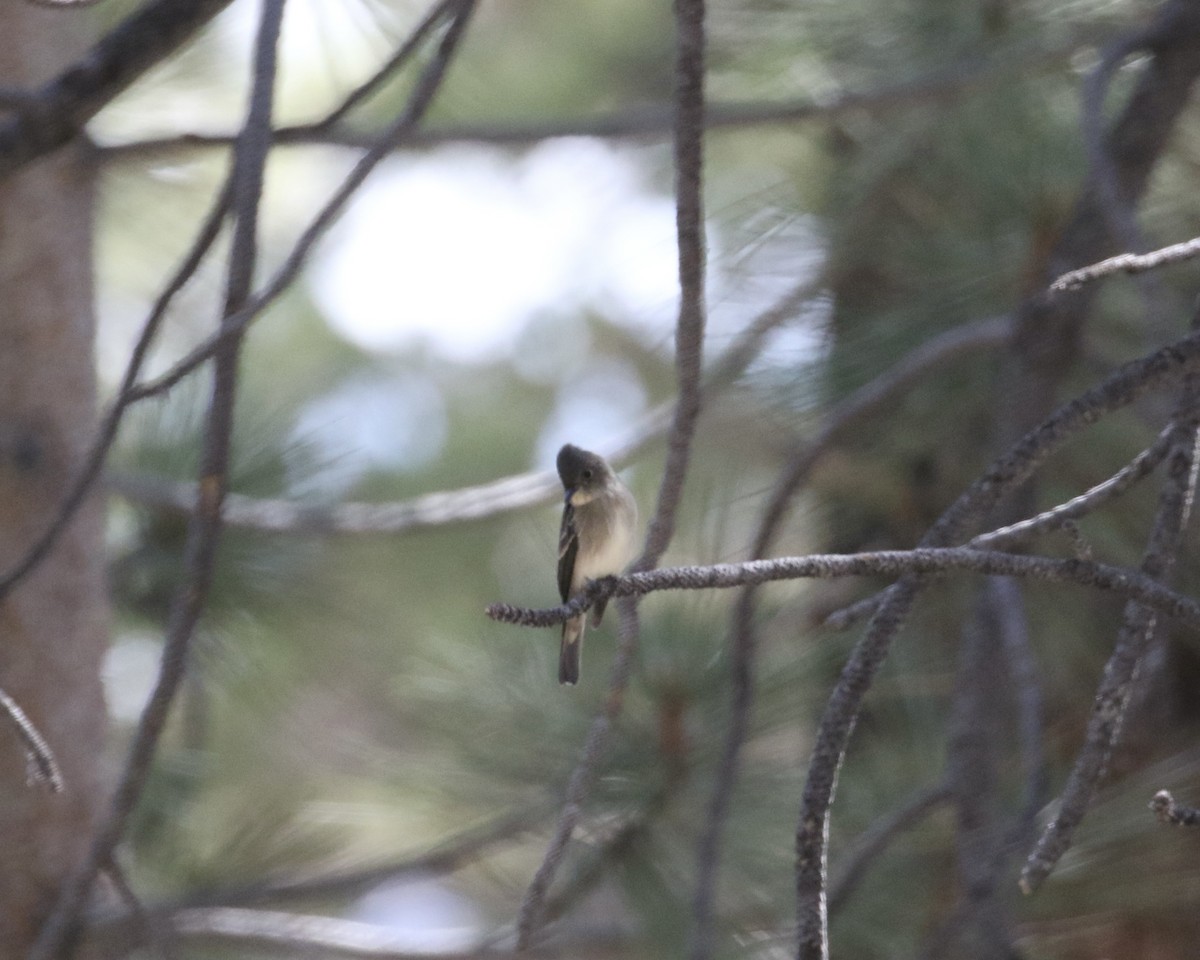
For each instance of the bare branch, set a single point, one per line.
(40, 764)
(1137, 631)
(689, 226)
(689, 343)
(653, 121)
(1128, 263)
(1116, 207)
(1168, 811)
(380, 77)
(532, 909)
(204, 530)
(1090, 500)
(892, 563)
(183, 497)
(56, 113)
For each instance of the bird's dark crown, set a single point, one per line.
(580, 468)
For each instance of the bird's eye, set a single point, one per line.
(587, 474)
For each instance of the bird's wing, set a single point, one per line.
(568, 548)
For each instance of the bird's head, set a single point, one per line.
(583, 474)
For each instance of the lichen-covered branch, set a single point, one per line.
(894, 563)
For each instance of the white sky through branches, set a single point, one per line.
(462, 247)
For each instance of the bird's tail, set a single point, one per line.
(568, 653)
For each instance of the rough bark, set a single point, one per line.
(53, 625)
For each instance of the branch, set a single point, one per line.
(1116, 207)
(204, 530)
(1168, 811)
(40, 765)
(892, 563)
(647, 122)
(690, 239)
(1128, 263)
(1137, 631)
(380, 77)
(53, 115)
(689, 343)
(1087, 502)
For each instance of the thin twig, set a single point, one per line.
(1136, 634)
(1168, 811)
(690, 238)
(608, 851)
(40, 765)
(1076, 508)
(1116, 207)
(1128, 263)
(689, 342)
(204, 529)
(379, 79)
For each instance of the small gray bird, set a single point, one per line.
(595, 539)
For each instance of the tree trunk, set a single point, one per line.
(53, 626)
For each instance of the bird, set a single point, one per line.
(596, 539)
